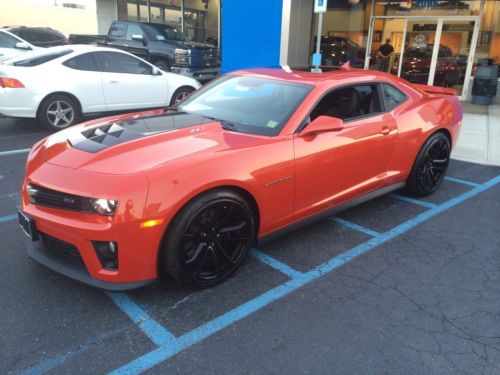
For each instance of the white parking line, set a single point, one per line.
(15, 152)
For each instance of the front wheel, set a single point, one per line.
(58, 112)
(208, 240)
(430, 166)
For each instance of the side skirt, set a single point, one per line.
(329, 212)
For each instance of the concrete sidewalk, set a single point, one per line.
(479, 140)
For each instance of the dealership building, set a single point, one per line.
(436, 42)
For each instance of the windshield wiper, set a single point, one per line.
(226, 125)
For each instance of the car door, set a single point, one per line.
(83, 74)
(130, 83)
(337, 166)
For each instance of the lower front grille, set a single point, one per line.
(60, 246)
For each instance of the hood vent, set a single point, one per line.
(97, 139)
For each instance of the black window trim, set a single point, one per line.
(304, 123)
(378, 88)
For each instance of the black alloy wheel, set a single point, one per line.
(431, 165)
(209, 239)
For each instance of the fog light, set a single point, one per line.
(107, 252)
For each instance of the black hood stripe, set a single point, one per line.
(101, 137)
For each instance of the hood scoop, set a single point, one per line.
(96, 139)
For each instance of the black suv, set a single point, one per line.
(39, 36)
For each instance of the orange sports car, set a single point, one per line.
(183, 193)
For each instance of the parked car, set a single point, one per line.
(416, 64)
(337, 50)
(16, 40)
(183, 195)
(162, 45)
(60, 84)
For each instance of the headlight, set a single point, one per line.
(182, 56)
(106, 207)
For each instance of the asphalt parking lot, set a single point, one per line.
(396, 285)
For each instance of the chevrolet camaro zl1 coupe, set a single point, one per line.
(181, 194)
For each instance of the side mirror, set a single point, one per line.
(156, 71)
(22, 45)
(138, 37)
(322, 124)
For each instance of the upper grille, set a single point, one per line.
(51, 198)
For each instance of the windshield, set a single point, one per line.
(164, 32)
(248, 104)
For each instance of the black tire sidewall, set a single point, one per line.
(42, 112)
(412, 185)
(180, 91)
(163, 65)
(170, 252)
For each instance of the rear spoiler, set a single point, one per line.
(436, 90)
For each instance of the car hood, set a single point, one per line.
(139, 143)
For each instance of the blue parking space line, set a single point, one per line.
(461, 181)
(276, 264)
(7, 218)
(151, 328)
(193, 337)
(47, 365)
(412, 200)
(15, 152)
(351, 225)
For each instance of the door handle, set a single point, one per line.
(385, 131)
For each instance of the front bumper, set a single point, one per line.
(200, 74)
(75, 268)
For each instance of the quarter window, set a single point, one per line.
(82, 62)
(115, 62)
(392, 97)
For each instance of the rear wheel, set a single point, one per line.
(58, 112)
(430, 166)
(208, 240)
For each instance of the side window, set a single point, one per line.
(349, 103)
(7, 41)
(82, 62)
(133, 29)
(392, 97)
(115, 62)
(118, 30)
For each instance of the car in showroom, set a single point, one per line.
(59, 85)
(181, 194)
(16, 40)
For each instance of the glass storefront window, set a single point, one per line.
(344, 32)
(488, 43)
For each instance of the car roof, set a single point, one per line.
(307, 77)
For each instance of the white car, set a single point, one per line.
(60, 84)
(11, 45)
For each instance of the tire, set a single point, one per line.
(58, 112)
(163, 65)
(208, 240)
(180, 94)
(430, 166)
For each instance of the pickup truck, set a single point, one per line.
(160, 44)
